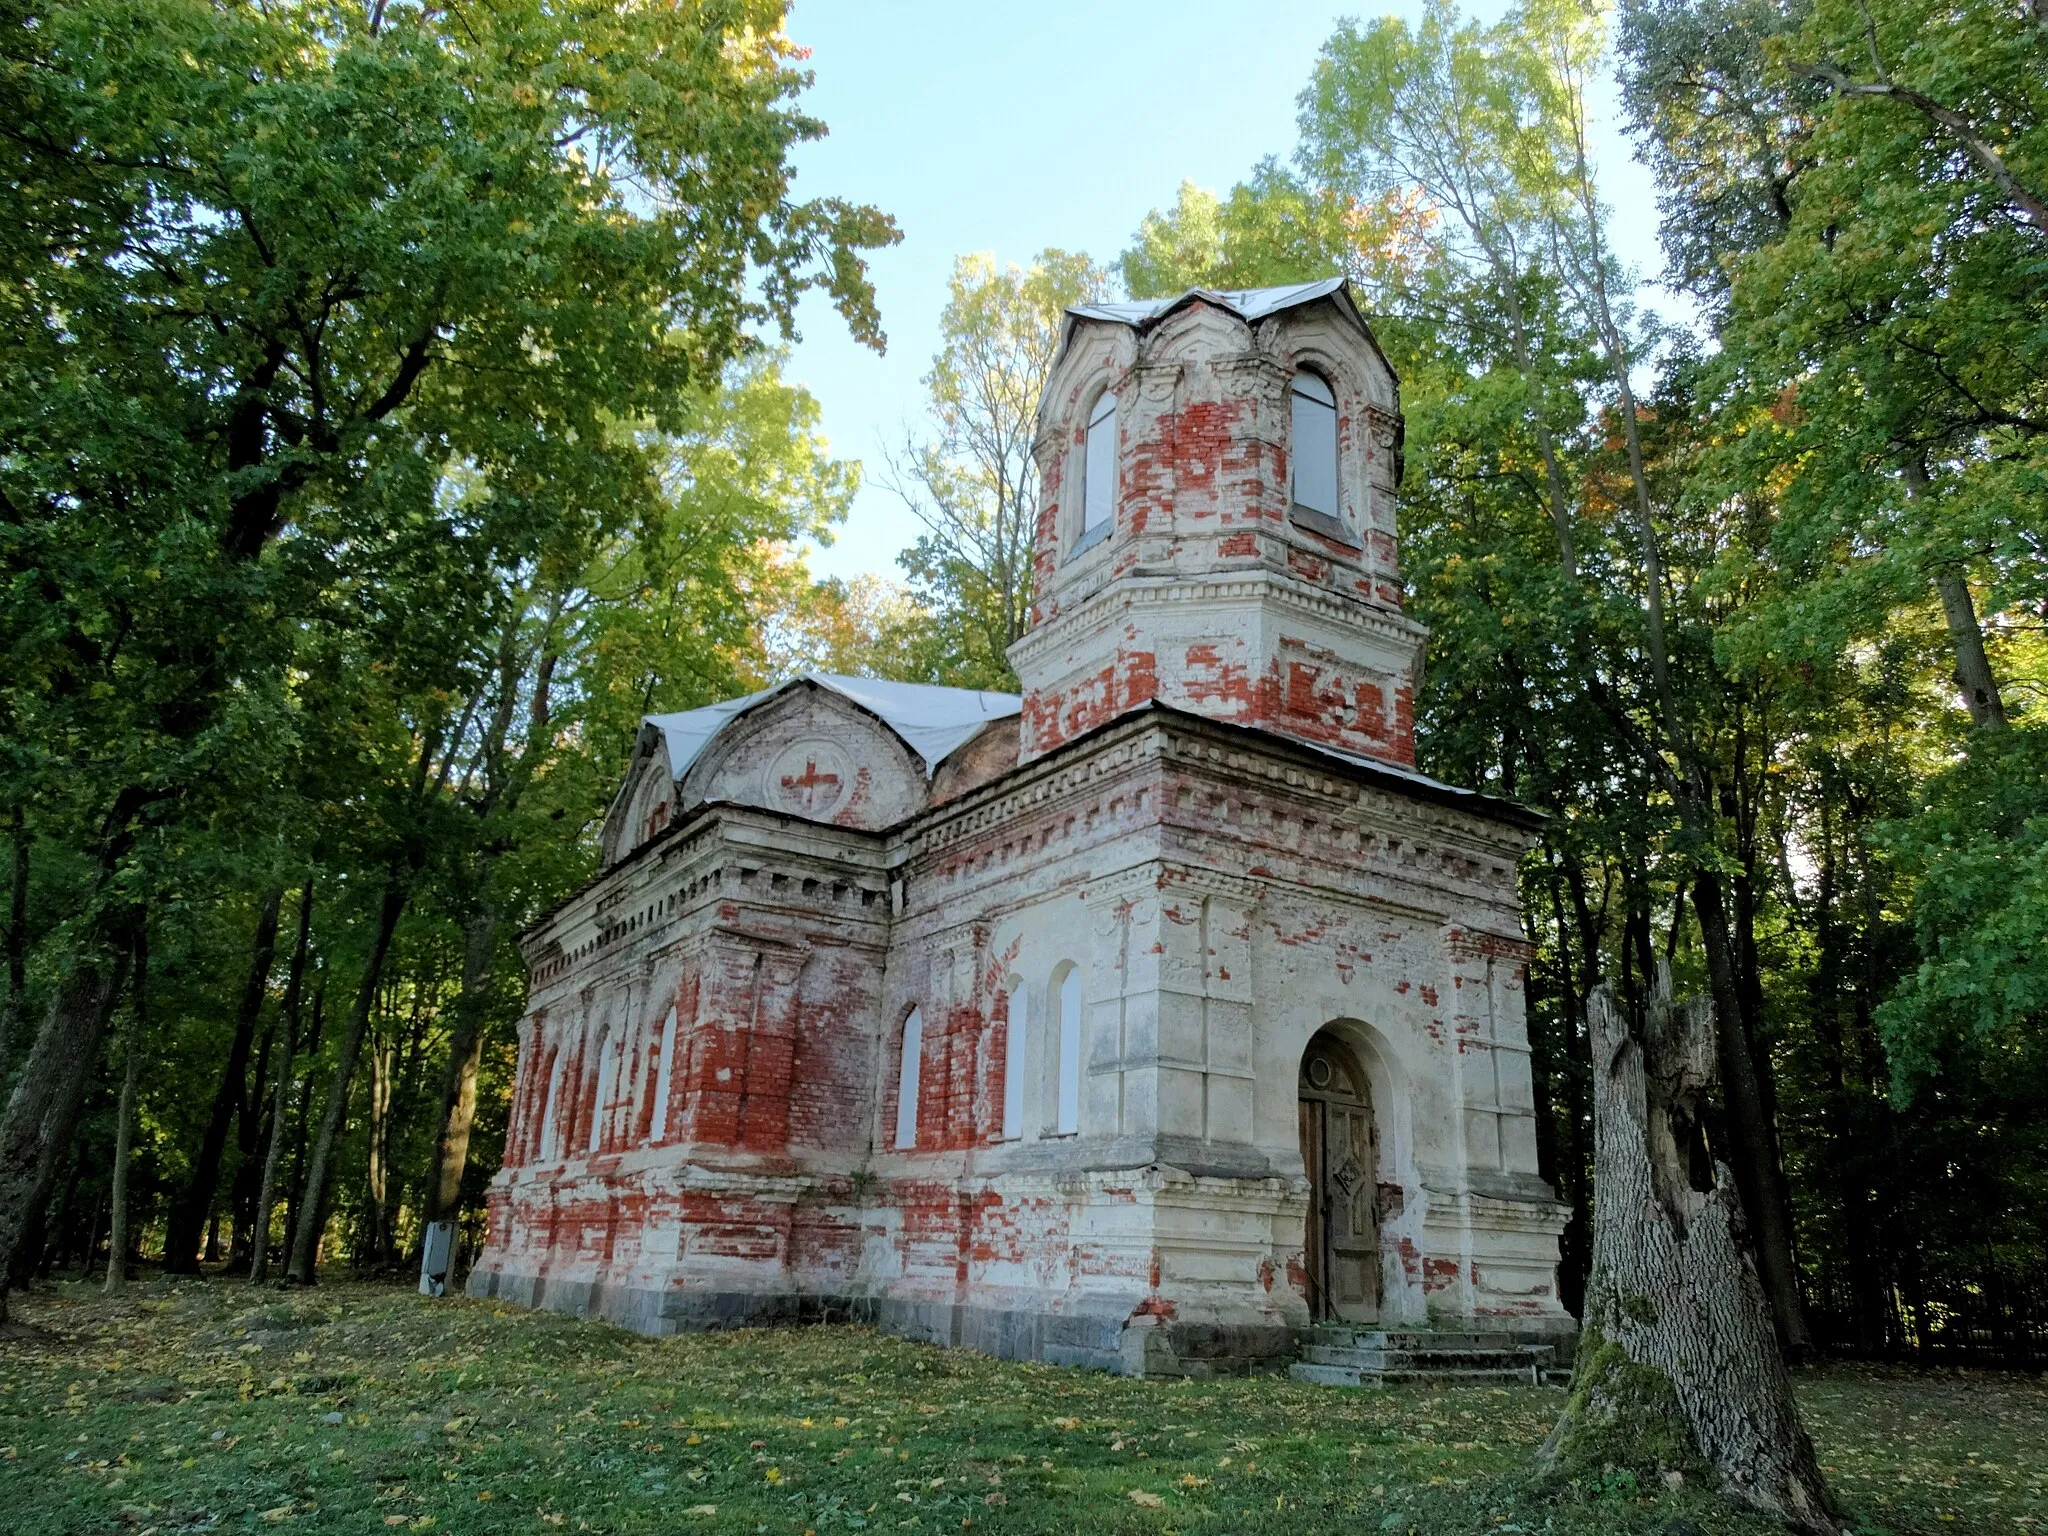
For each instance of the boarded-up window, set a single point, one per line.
(1098, 502)
(1312, 448)
(907, 1080)
(1068, 1115)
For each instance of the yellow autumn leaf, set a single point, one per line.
(281, 1512)
(1147, 1500)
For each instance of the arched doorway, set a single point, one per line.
(1340, 1150)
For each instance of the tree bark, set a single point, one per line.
(1753, 1147)
(188, 1220)
(294, 990)
(249, 1123)
(1677, 1369)
(1973, 672)
(312, 1206)
(37, 1126)
(17, 942)
(124, 1133)
(443, 1196)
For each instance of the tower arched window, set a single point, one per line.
(1312, 445)
(1098, 477)
(907, 1080)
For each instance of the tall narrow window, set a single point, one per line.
(1016, 1053)
(551, 1109)
(657, 1129)
(1313, 447)
(907, 1080)
(1068, 1118)
(607, 1085)
(1098, 500)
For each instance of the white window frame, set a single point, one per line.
(607, 1088)
(551, 1110)
(1308, 408)
(1016, 1054)
(908, 1076)
(664, 1078)
(1067, 1068)
(1099, 467)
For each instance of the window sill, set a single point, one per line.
(1323, 524)
(1090, 537)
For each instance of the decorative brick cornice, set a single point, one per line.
(1114, 602)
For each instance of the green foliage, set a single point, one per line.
(973, 482)
(1978, 853)
(1270, 230)
(387, 423)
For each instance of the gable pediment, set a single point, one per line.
(811, 753)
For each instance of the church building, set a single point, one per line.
(1138, 1021)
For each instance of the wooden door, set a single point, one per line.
(1340, 1154)
(1313, 1248)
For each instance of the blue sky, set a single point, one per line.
(1008, 128)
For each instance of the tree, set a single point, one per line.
(973, 481)
(1677, 1370)
(1487, 125)
(281, 268)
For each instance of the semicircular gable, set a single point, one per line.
(645, 802)
(810, 752)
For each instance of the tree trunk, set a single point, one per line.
(249, 1123)
(312, 1202)
(17, 943)
(377, 1196)
(37, 1126)
(124, 1133)
(1752, 1150)
(1973, 672)
(294, 990)
(443, 1197)
(189, 1218)
(302, 1122)
(1678, 1370)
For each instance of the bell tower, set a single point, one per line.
(1215, 530)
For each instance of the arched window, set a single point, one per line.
(1098, 497)
(1313, 446)
(907, 1080)
(1067, 1115)
(607, 1085)
(1016, 1053)
(657, 1129)
(551, 1109)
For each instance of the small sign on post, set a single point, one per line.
(437, 1257)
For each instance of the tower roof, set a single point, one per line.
(1247, 303)
(1250, 305)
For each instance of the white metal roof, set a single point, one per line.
(1250, 303)
(933, 722)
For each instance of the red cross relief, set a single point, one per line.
(809, 782)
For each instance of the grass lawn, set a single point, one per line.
(205, 1406)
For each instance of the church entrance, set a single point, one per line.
(1340, 1150)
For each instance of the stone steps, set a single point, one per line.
(1337, 1355)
